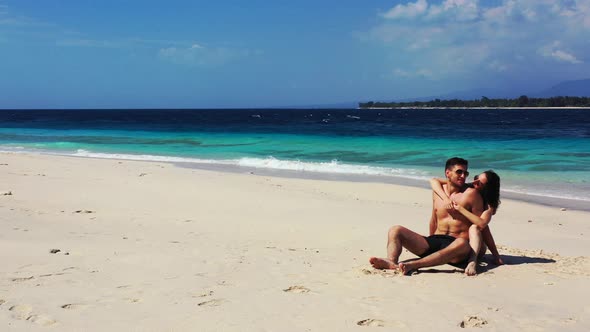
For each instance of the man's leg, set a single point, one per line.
(475, 242)
(398, 238)
(456, 252)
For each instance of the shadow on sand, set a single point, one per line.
(518, 260)
(486, 265)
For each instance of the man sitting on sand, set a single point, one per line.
(449, 230)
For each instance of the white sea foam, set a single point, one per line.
(547, 194)
(144, 157)
(334, 167)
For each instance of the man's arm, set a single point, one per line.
(437, 187)
(433, 222)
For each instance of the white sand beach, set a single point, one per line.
(140, 246)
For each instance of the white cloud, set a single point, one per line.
(564, 56)
(425, 73)
(459, 10)
(455, 38)
(418, 73)
(456, 10)
(498, 66)
(178, 52)
(200, 56)
(554, 51)
(407, 11)
(8, 18)
(582, 12)
(123, 43)
(88, 43)
(401, 73)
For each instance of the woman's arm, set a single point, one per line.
(481, 222)
(437, 187)
(488, 239)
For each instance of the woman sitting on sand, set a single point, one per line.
(488, 186)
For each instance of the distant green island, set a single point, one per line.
(522, 101)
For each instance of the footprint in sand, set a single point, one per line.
(381, 323)
(211, 303)
(25, 312)
(23, 279)
(209, 293)
(371, 322)
(74, 306)
(51, 274)
(21, 311)
(383, 273)
(42, 320)
(132, 300)
(84, 211)
(472, 321)
(296, 289)
(569, 320)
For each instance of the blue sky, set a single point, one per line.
(127, 53)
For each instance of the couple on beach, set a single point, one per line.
(459, 234)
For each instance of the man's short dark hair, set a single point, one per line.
(456, 161)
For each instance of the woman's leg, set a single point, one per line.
(476, 243)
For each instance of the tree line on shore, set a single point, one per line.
(522, 101)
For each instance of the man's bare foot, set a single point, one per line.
(382, 263)
(406, 268)
(471, 270)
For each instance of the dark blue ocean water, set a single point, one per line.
(538, 152)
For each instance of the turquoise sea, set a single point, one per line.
(541, 155)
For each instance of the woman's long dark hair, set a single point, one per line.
(491, 190)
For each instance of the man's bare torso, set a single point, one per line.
(453, 223)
